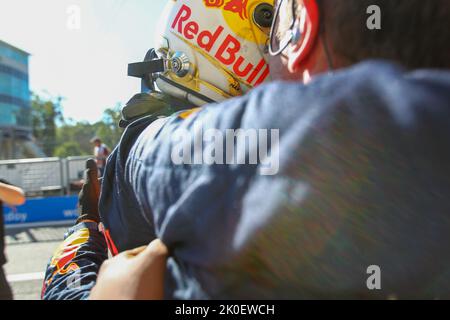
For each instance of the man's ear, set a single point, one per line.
(305, 34)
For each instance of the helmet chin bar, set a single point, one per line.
(157, 63)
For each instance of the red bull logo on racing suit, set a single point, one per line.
(62, 261)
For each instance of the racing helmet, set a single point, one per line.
(209, 50)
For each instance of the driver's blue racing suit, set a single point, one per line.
(363, 180)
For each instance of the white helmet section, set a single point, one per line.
(221, 46)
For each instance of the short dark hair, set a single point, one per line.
(415, 33)
(96, 139)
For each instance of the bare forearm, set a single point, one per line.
(11, 195)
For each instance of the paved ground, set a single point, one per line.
(28, 251)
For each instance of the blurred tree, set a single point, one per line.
(68, 149)
(78, 132)
(108, 130)
(45, 115)
(62, 138)
(82, 132)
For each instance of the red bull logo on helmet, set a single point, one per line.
(214, 3)
(236, 6)
(219, 44)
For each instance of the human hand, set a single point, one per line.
(133, 275)
(11, 195)
(89, 196)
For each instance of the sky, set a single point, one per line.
(80, 49)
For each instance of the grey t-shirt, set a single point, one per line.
(364, 179)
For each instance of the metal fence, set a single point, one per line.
(46, 176)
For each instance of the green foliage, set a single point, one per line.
(61, 138)
(45, 114)
(108, 130)
(80, 133)
(68, 149)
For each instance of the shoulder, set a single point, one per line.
(357, 93)
(370, 87)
